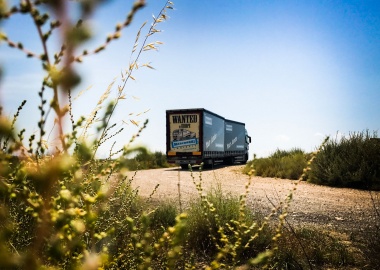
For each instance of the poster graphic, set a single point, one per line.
(184, 132)
(183, 137)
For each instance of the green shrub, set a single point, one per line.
(352, 161)
(204, 225)
(222, 230)
(164, 215)
(146, 160)
(309, 248)
(280, 164)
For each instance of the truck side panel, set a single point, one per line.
(234, 136)
(213, 135)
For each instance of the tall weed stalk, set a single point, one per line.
(69, 209)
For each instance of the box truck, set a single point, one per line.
(195, 136)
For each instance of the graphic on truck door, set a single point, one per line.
(184, 132)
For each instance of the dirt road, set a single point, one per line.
(336, 208)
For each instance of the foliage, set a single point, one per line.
(146, 160)
(352, 161)
(219, 222)
(69, 209)
(222, 231)
(280, 164)
(164, 215)
(319, 249)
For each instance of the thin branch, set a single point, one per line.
(129, 74)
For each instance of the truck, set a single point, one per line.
(195, 136)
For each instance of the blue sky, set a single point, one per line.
(293, 71)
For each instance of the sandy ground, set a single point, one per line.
(335, 208)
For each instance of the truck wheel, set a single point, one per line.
(245, 159)
(229, 161)
(184, 166)
(209, 164)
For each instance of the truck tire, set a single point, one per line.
(229, 161)
(184, 166)
(209, 164)
(245, 159)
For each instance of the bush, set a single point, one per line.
(164, 215)
(221, 226)
(204, 226)
(306, 248)
(145, 160)
(280, 164)
(352, 161)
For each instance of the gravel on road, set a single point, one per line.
(340, 209)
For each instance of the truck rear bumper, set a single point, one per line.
(185, 160)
